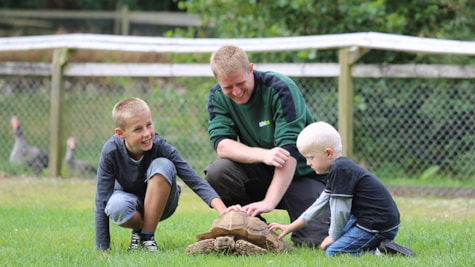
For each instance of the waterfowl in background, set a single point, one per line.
(22, 153)
(75, 165)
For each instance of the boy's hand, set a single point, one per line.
(285, 229)
(236, 207)
(326, 242)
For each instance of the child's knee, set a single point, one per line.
(163, 167)
(120, 209)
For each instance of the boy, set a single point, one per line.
(136, 178)
(364, 216)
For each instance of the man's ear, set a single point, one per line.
(251, 67)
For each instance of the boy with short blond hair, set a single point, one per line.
(136, 178)
(364, 216)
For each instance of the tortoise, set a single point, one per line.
(240, 234)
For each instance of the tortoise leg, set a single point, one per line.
(201, 247)
(244, 247)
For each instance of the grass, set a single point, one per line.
(50, 222)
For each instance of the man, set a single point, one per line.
(254, 120)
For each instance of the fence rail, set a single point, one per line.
(160, 18)
(203, 70)
(123, 17)
(355, 41)
(351, 46)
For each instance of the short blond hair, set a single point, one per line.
(318, 136)
(227, 60)
(126, 109)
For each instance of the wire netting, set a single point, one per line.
(403, 128)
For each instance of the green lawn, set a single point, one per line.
(50, 222)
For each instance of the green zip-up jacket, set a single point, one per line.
(273, 117)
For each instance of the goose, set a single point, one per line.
(22, 153)
(75, 165)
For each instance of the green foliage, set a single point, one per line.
(415, 127)
(429, 173)
(251, 18)
(99, 5)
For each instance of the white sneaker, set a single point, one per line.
(135, 241)
(150, 245)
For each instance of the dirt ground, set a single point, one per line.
(432, 191)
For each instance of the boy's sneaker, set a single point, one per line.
(377, 252)
(150, 245)
(135, 241)
(388, 246)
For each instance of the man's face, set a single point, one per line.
(238, 86)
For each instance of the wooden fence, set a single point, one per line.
(351, 47)
(122, 18)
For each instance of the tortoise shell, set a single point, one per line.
(241, 226)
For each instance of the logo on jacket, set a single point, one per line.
(264, 123)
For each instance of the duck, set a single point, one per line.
(22, 153)
(75, 165)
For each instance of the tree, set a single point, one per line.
(448, 19)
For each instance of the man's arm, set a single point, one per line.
(280, 182)
(277, 157)
(238, 152)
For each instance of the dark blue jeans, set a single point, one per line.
(356, 241)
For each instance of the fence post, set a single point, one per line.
(122, 19)
(117, 19)
(347, 57)
(125, 20)
(60, 58)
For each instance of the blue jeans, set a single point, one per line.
(356, 241)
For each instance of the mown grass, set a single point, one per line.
(50, 222)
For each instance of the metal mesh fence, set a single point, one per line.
(404, 128)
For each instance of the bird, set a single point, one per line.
(22, 153)
(75, 165)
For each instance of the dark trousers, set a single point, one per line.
(246, 183)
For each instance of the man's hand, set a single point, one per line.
(276, 157)
(256, 208)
